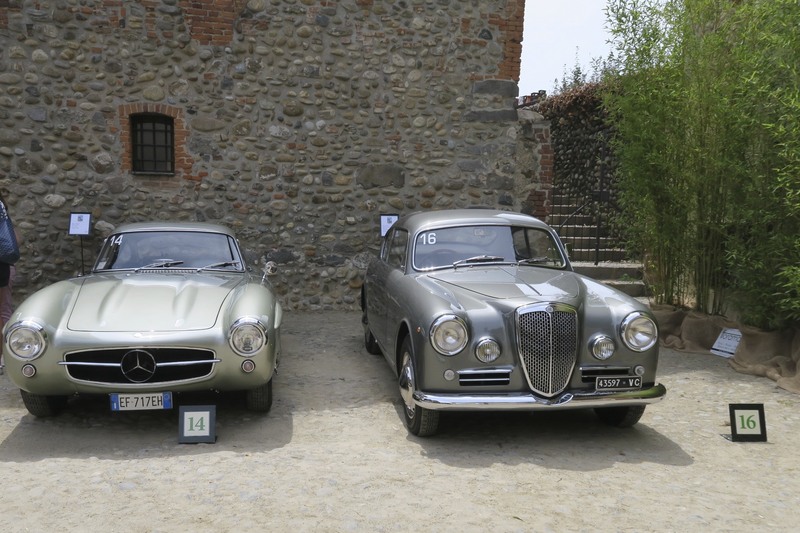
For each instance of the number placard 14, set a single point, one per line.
(197, 423)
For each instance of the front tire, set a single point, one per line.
(419, 421)
(621, 417)
(260, 398)
(42, 406)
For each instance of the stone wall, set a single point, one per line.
(297, 123)
(585, 168)
(581, 139)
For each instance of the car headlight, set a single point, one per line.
(639, 332)
(247, 336)
(602, 347)
(487, 350)
(26, 340)
(449, 334)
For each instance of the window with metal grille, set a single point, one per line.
(153, 143)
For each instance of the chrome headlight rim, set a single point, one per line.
(602, 347)
(488, 350)
(639, 331)
(239, 328)
(20, 328)
(438, 335)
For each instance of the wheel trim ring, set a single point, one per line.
(407, 386)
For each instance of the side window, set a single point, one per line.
(536, 246)
(384, 253)
(153, 143)
(396, 253)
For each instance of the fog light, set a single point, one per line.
(449, 375)
(487, 351)
(28, 371)
(602, 347)
(248, 366)
(638, 370)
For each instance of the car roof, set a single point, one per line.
(422, 220)
(174, 226)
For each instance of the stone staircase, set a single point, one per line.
(598, 256)
(623, 276)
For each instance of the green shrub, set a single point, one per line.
(705, 100)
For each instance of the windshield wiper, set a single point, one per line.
(221, 264)
(480, 259)
(535, 260)
(161, 263)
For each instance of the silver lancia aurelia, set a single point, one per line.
(479, 310)
(166, 308)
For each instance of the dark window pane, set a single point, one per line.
(153, 143)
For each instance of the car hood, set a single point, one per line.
(131, 302)
(513, 282)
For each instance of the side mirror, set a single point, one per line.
(270, 269)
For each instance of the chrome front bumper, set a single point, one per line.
(529, 402)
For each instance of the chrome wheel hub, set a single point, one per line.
(406, 382)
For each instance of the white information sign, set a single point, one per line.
(727, 342)
(80, 223)
(386, 222)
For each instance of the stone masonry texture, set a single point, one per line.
(297, 124)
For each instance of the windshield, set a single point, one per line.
(447, 247)
(169, 249)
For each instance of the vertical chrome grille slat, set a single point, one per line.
(547, 341)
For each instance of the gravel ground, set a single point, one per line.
(333, 455)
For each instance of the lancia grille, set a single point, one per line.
(547, 340)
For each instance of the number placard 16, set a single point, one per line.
(427, 239)
(748, 423)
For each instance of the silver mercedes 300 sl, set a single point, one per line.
(167, 308)
(480, 310)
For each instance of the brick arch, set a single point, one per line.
(183, 161)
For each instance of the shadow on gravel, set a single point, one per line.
(88, 429)
(568, 440)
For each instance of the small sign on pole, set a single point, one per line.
(80, 224)
(387, 221)
(747, 422)
(197, 423)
